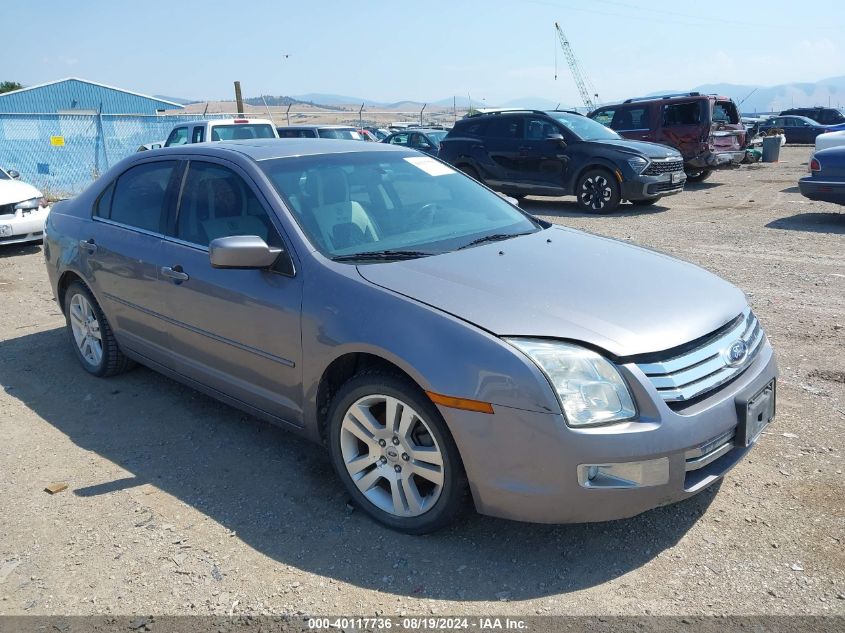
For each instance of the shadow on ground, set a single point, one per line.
(567, 208)
(704, 185)
(793, 189)
(278, 493)
(14, 250)
(812, 222)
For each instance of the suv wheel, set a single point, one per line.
(394, 454)
(91, 335)
(598, 191)
(699, 175)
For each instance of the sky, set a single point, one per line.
(494, 51)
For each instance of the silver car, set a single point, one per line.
(435, 338)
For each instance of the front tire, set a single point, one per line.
(391, 449)
(598, 191)
(699, 175)
(91, 335)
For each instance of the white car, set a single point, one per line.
(23, 210)
(220, 130)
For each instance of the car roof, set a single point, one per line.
(268, 148)
(335, 126)
(419, 129)
(223, 121)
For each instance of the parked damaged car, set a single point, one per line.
(388, 307)
(706, 129)
(23, 210)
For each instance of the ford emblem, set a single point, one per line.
(736, 353)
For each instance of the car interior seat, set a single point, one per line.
(341, 222)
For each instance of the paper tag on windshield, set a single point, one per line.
(430, 166)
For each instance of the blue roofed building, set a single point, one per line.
(69, 96)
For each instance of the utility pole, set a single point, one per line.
(239, 100)
(421, 113)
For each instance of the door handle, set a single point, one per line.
(176, 274)
(88, 245)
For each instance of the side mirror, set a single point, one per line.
(513, 201)
(13, 173)
(241, 251)
(557, 138)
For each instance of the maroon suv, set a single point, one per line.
(706, 129)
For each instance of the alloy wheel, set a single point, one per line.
(595, 192)
(392, 455)
(86, 329)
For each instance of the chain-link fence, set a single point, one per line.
(61, 154)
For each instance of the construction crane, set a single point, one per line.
(588, 92)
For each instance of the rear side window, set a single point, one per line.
(725, 112)
(179, 136)
(399, 139)
(603, 116)
(505, 127)
(102, 206)
(139, 195)
(690, 113)
(198, 135)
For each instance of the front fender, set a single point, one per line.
(343, 313)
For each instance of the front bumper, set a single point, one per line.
(524, 465)
(645, 187)
(716, 159)
(824, 191)
(23, 227)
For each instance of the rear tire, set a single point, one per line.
(91, 335)
(699, 175)
(647, 202)
(394, 454)
(598, 191)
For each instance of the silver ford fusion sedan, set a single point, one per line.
(436, 339)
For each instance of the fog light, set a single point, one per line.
(652, 472)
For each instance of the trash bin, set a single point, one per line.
(771, 149)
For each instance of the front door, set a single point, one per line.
(237, 331)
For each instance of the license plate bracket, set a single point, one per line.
(756, 413)
(676, 176)
(5, 230)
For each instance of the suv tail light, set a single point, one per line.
(815, 165)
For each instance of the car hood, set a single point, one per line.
(652, 150)
(12, 191)
(566, 284)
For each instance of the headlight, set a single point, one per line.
(589, 387)
(638, 164)
(32, 203)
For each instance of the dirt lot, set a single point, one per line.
(177, 504)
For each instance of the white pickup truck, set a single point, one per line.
(220, 130)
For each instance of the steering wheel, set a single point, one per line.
(424, 216)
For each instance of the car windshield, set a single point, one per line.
(584, 128)
(376, 206)
(239, 131)
(436, 137)
(347, 134)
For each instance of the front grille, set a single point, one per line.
(663, 167)
(8, 209)
(702, 369)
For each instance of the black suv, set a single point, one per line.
(560, 153)
(825, 116)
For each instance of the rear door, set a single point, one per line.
(504, 145)
(631, 121)
(236, 331)
(685, 125)
(123, 253)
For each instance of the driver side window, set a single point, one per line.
(216, 202)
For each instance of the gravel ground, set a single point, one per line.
(178, 504)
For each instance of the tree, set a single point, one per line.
(8, 86)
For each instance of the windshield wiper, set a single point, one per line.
(496, 237)
(384, 256)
